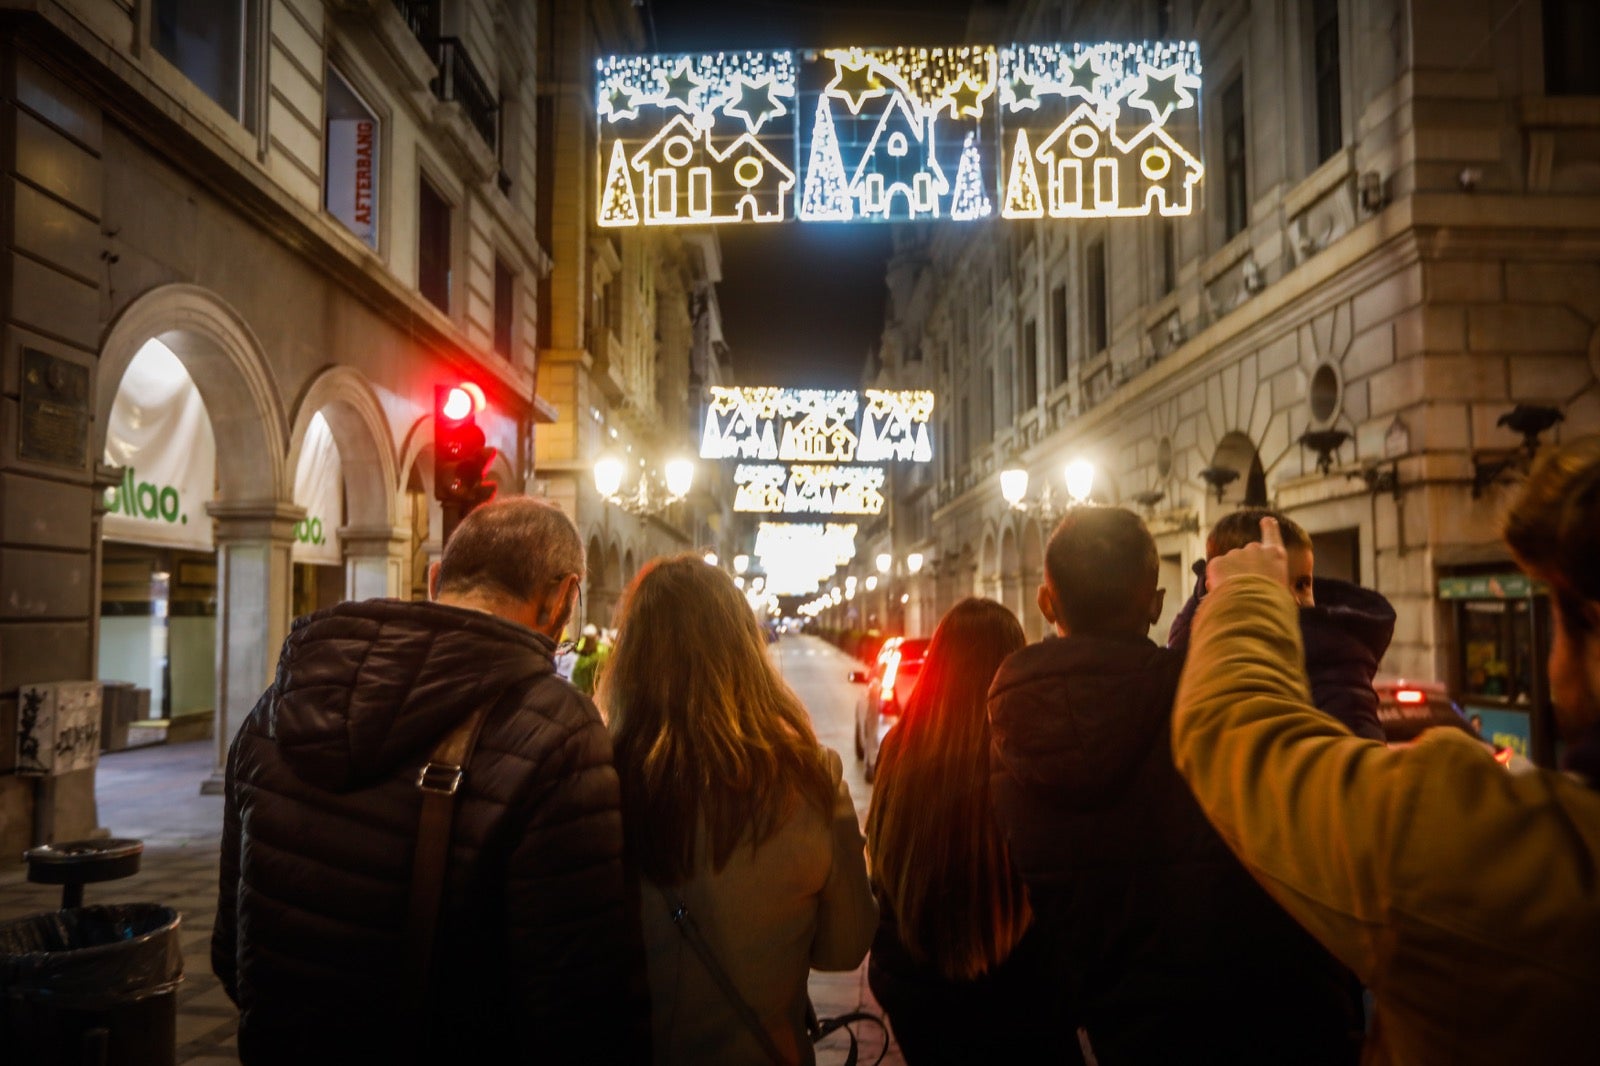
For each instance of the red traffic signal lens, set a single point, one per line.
(457, 404)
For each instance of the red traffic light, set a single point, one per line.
(460, 451)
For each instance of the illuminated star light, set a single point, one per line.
(965, 101)
(1086, 76)
(1163, 92)
(678, 88)
(762, 94)
(857, 78)
(1021, 93)
(608, 104)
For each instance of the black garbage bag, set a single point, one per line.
(91, 979)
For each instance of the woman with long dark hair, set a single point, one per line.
(736, 818)
(952, 964)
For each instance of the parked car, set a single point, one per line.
(1407, 709)
(890, 680)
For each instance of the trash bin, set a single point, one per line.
(75, 863)
(91, 985)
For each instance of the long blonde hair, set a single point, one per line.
(707, 736)
(938, 857)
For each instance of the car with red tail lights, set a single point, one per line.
(889, 682)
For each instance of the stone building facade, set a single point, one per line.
(322, 209)
(1399, 242)
(633, 332)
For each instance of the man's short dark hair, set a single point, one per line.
(515, 548)
(1550, 527)
(1101, 563)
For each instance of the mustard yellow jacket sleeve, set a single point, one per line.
(1462, 894)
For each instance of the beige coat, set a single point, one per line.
(1464, 896)
(799, 901)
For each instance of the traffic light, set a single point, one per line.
(460, 455)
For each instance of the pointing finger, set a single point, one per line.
(1271, 536)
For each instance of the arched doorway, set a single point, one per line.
(252, 515)
(987, 581)
(594, 607)
(344, 461)
(1010, 572)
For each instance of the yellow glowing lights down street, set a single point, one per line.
(899, 134)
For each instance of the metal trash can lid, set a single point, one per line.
(82, 861)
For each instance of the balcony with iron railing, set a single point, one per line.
(459, 82)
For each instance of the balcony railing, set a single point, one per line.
(460, 82)
(420, 16)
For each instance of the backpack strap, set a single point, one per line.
(697, 942)
(438, 781)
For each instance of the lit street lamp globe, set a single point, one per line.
(1080, 479)
(1013, 484)
(608, 476)
(914, 562)
(884, 561)
(680, 477)
(711, 558)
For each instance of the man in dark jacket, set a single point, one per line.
(538, 955)
(1164, 946)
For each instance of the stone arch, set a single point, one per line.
(1010, 571)
(988, 565)
(1237, 452)
(596, 581)
(253, 510)
(366, 448)
(629, 568)
(229, 369)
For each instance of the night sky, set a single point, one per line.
(802, 304)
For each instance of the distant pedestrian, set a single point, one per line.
(953, 964)
(737, 818)
(1462, 894)
(537, 952)
(1165, 949)
(1344, 628)
(592, 654)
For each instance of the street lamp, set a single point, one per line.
(872, 582)
(914, 562)
(1079, 475)
(885, 562)
(710, 558)
(652, 493)
(1014, 483)
(1079, 478)
(741, 563)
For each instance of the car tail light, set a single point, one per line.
(1409, 695)
(891, 667)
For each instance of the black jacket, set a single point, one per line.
(1166, 949)
(1345, 637)
(538, 957)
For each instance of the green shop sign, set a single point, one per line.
(1512, 586)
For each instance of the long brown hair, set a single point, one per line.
(711, 746)
(937, 855)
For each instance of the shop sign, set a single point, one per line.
(55, 409)
(1512, 586)
(160, 434)
(351, 183)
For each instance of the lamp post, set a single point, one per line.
(1078, 476)
(653, 491)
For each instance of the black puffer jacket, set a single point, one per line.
(1345, 636)
(539, 956)
(1166, 949)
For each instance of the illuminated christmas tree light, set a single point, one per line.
(617, 205)
(827, 190)
(1022, 187)
(972, 197)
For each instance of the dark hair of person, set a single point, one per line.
(1553, 527)
(515, 548)
(935, 850)
(712, 748)
(1102, 565)
(1242, 527)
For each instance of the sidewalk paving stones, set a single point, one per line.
(153, 794)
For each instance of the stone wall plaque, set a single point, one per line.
(55, 410)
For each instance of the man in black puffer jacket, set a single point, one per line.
(538, 955)
(1164, 946)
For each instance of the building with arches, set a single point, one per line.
(1397, 246)
(244, 242)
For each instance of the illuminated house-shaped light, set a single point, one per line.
(1094, 173)
(686, 178)
(899, 158)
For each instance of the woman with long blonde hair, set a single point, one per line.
(953, 965)
(736, 819)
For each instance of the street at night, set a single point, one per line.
(707, 531)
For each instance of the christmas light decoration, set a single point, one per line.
(816, 425)
(1047, 130)
(806, 489)
(797, 557)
